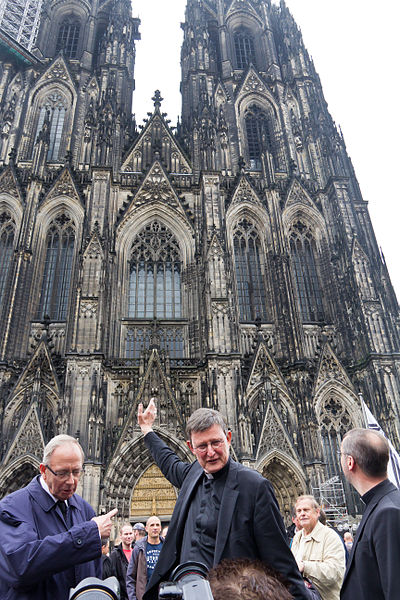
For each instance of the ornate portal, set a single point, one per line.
(153, 495)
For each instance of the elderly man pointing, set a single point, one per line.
(224, 510)
(50, 537)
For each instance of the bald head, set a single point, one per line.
(369, 449)
(153, 528)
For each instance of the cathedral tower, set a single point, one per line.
(230, 262)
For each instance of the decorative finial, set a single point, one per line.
(68, 158)
(157, 99)
(12, 156)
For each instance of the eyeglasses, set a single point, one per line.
(215, 445)
(76, 473)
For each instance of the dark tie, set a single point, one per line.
(64, 510)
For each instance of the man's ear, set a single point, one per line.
(189, 445)
(229, 437)
(351, 463)
(42, 468)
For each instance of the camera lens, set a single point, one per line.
(189, 568)
(93, 588)
(94, 595)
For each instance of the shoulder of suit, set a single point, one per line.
(246, 472)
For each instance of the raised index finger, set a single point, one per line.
(112, 513)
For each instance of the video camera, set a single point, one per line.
(188, 581)
(93, 588)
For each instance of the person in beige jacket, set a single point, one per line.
(318, 550)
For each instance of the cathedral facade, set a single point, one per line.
(229, 262)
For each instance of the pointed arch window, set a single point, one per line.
(258, 132)
(244, 49)
(304, 264)
(68, 37)
(249, 276)
(53, 109)
(154, 296)
(7, 233)
(56, 283)
(155, 275)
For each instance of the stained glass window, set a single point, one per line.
(244, 50)
(155, 293)
(258, 135)
(249, 276)
(68, 37)
(307, 285)
(155, 275)
(54, 107)
(57, 274)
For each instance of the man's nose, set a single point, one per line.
(70, 476)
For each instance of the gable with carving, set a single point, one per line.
(29, 438)
(298, 195)
(156, 141)
(245, 193)
(330, 369)
(9, 184)
(58, 71)
(156, 189)
(64, 186)
(264, 367)
(274, 436)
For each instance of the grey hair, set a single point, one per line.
(310, 498)
(204, 418)
(369, 449)
(56, 442)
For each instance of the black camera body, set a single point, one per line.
(187, 582)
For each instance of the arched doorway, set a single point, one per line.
(288, 483)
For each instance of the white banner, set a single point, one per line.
(394, 458)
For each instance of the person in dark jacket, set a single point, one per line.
(105, 558)
(50, 537)
(223, 510)
(144, 558)
(120, 557)
(373, 568)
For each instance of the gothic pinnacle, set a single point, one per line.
(157, 99)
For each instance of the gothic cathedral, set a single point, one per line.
(227, 262)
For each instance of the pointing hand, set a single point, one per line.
(104, 523)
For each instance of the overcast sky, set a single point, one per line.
(354, 44)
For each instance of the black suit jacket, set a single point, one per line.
(373, 570)
(249, 525)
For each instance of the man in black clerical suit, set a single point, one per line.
(224, 510)
(373, 567)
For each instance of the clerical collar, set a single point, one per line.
(367, 497)
(218, 474)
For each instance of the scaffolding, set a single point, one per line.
(331, 497)
(20, 19)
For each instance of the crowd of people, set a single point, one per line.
(226, 517)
